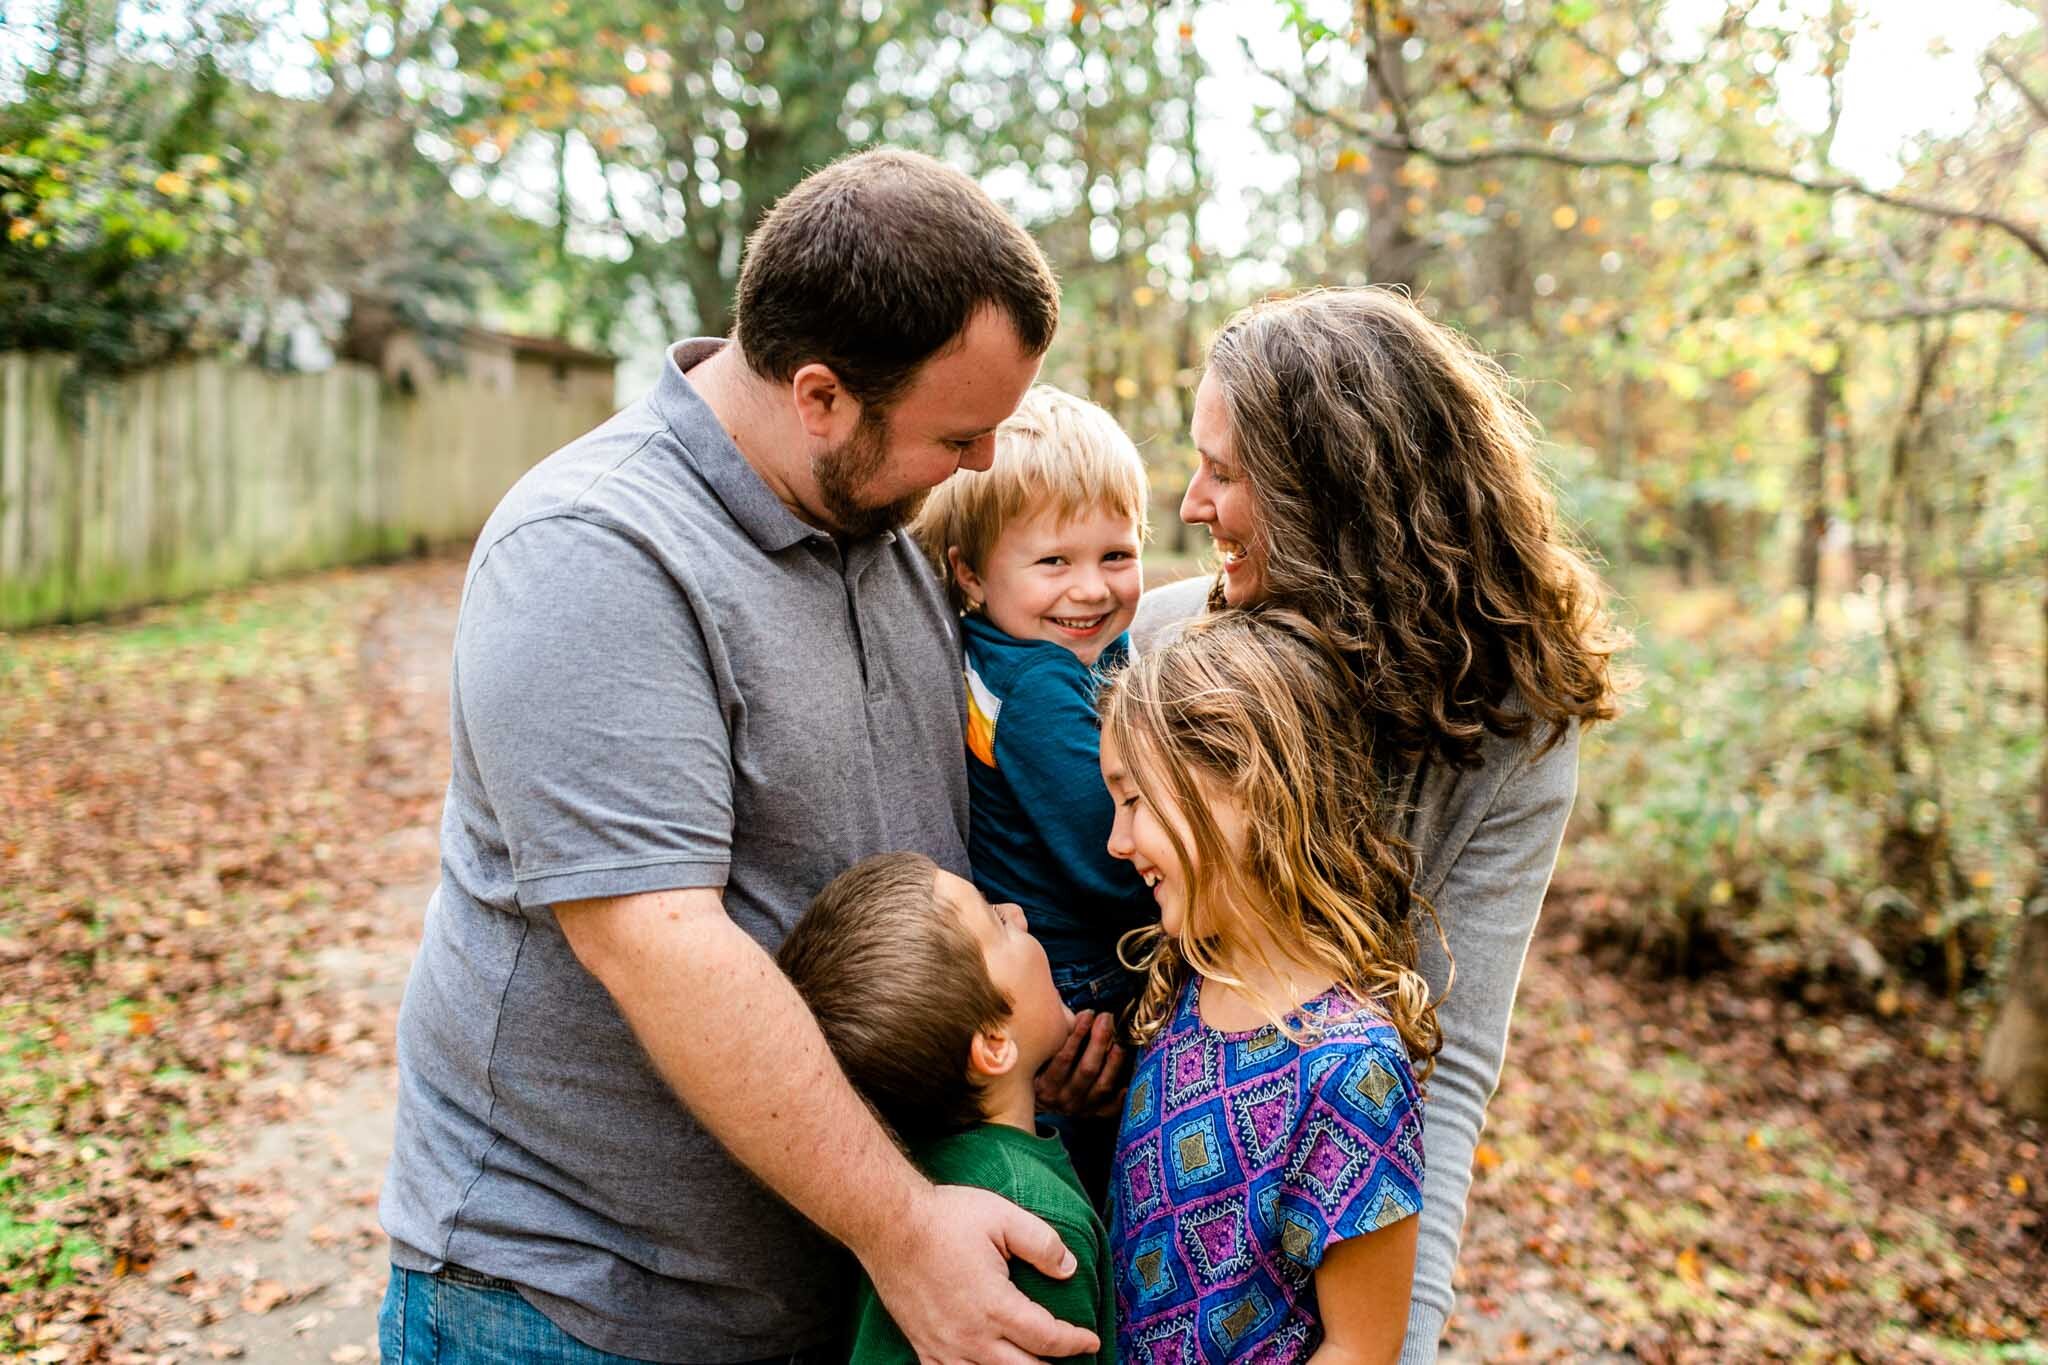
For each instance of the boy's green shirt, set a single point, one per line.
(1034, 1174)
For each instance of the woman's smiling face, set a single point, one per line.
(1220, 498)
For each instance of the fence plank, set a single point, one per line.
(206, 474)
(13, 466)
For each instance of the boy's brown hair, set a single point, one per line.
(900, 990)
(876, 263)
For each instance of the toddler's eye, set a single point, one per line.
(1053, 560)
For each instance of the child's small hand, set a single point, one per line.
(1086, 1077)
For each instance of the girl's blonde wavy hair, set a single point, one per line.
(1254, 705)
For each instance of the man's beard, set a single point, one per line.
(847, 468)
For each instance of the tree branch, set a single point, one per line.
(1948, 308)
(2034, 101)
(2025, 234)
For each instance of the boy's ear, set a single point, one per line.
(992, 1053)
(964, 576)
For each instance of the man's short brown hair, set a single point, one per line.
(873, 264)
(900, 989)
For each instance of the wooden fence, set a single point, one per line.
(207, 474)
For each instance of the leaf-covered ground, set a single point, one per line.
(197, 807)
(1715, 1175)
(193, 804)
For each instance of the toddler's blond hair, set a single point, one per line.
(1056, 451)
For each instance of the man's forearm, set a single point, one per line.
(731, 1036)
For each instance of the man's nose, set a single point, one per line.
(981, 455)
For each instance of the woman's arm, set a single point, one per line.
(1487, 901)
(1362, 1290)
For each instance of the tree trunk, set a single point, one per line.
(1973, 568)
(1618, 459)
(1823, 395)
(2016, 1056)
(1392, 249)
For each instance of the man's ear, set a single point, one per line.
(992, 1053)
(964, 577)
(823, 405)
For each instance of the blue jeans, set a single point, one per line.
(1090, 1142)
(459, 1317)
(1100, 985)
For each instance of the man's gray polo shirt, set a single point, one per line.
(662, 679)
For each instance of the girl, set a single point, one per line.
(1269, 1167)
(1369, 468)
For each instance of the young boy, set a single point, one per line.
(940, 1008)
(1040, 554)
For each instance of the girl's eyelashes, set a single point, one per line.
(1129, 801)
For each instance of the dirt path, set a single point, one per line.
(296, 1268)
(297, 1273)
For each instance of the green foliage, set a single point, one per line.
(118, 203)
(1734, 801)
(1747, 808)
(156, 202)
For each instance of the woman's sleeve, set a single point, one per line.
(1488, 904)
(1165, 609)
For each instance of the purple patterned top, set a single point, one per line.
(1243, 1157)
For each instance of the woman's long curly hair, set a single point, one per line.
(1401, 509)
(1255, 706)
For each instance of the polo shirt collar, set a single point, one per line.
(747, 498)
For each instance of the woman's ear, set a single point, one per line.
(992, 1053)
(965, 578)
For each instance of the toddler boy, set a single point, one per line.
(1040, 554)
(940, 1008)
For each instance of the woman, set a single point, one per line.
(1370, 469)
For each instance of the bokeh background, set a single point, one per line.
(291, 290)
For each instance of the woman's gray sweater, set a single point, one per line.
(1488, 838)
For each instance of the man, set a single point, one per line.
(698, 673)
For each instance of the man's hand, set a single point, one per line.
(946, 1282)
(707, 1003)
(1086, 1078)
